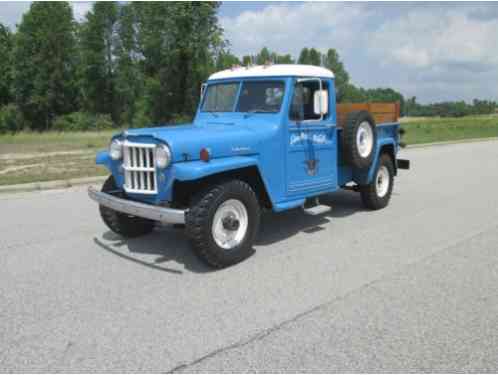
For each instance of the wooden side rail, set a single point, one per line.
(381, 112)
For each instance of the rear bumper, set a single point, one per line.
(147, 211)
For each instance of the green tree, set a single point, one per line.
(129, 77)
(284, 59)
(6, 44)
(225, 60)
(315, 57)
(263, 57)
(44, 63)
(247, 60)
(304, 56)
(177, 42)
(333, 62)
(98, 39)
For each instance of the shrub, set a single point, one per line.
(11, 119)
(82, 121)
(180, 119)
(103, 122)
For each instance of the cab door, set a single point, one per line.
(311, 154)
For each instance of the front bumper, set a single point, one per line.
(147, 211)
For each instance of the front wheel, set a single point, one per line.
(222, 223)
(125, 225)
(377, 193)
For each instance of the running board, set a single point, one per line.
(313, 207)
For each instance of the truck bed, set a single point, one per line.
(381, 112)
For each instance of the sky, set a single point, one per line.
(434, 51)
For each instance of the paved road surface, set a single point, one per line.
(413, 287)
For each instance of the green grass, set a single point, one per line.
(32, 142)
(30, 157)
(428, 130)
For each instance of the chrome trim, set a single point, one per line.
(147, 211)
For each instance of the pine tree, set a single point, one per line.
(44, 63)
(98, 39)
(333, 62)
(6, 44)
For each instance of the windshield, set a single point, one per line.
(220, 97)
(261, 97)
(255, 96)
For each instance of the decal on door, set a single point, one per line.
(317, 139)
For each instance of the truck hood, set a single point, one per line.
(187, 140)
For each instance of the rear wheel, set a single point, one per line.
(222, 223)
(120, 223)
(376, 194)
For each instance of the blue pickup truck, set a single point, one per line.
(264, 137)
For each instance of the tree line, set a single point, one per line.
(450, 109)
(136, 64)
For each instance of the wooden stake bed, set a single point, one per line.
(381, 112)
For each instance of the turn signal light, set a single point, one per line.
(204, 154)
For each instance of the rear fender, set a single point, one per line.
(364, 177)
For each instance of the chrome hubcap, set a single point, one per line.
(364, 139)
(230, 224)
(382, 181)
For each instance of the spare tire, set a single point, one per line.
(359, 139)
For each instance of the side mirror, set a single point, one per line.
(321, 102)
(203, 89)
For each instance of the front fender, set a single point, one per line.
(103, 158)
(198, 169)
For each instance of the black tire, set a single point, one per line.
(199, 221)
(123, 224)
(370, 193)
(351, 150)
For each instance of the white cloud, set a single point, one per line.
(433, 51)
(11, 12)
(425, 38)
(80, 9)
(287, 28)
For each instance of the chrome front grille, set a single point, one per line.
(139, 168)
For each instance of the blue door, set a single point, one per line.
(311, 144)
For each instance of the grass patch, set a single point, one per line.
(428, 130)
(33, 142)
(49, 168)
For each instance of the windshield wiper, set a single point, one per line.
(258, 110)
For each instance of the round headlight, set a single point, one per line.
(163, 156)
(116, 150)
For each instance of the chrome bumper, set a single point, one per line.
(147, 211)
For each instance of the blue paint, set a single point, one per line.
(278, 147)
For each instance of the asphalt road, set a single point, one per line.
(413, 287)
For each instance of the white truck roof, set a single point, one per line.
(274, 70)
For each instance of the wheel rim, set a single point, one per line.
(230, 224)
(382, 181)
(364, 139)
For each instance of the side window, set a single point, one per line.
(302, 106)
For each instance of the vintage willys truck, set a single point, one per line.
(264, 137)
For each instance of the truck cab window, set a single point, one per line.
(220, 97)
(302, 100)
(261, 96)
